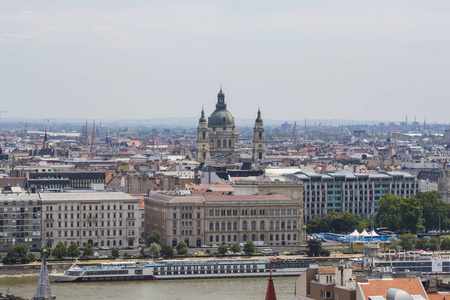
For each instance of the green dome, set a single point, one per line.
(221, 117)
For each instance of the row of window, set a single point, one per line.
(88, 207)
(253, 212)
(245, 238)
(223, 226)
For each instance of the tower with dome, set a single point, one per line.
(218, 136)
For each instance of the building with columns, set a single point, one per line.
(218, 135)
(224, 219)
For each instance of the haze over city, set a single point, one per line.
(381, 60)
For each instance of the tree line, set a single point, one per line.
(424, 211)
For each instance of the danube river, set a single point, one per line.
(199, 289)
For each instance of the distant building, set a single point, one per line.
(103, 219)
(357, 193)
(20, 220)
(224, 219)
(63, 180)
(218, 135)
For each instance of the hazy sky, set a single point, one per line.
(366, 60)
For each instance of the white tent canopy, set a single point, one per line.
(373, 233)
(365, 233)
(354, 234)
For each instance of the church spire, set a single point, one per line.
(202, 117)
(43, 290)
(221, 100)
(45, 145)
(258, 117)
(86, 135)
(94, 134)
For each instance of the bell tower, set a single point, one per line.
(202, 139)
(259, 139)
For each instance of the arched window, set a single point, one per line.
(271, 237)
(244, 225)
(218, 143)
(262, 237)
(288, 224)
(294, 237)
(277, 237)
(244, 237)
(229, 143)
(235, 238)
(277, 225)
(261, 225)
(223, 226)
(253, 237)
(217, 238)
(217, 226)
(229, 226)
(224, 143)
(234, 225)
(186, 240)
(289, 237)
(211, 238)
(260, 155)
(223, 238)
(271, 225)
(253, 225)
(229, 238)
(211, 226)
(260, 135)
(282, 237)
(203, 135)
(283, 225)
(174, 242)
(294, 225)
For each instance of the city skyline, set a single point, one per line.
(321, 60)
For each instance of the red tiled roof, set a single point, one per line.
(379, 287)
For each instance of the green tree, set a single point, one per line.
(435, 244)
(407, 241)
(125, 255)
(60, 250)
(235, 248)
(423, 244)
(314, 247)
(222, 250)
(18, 253)
(433, 209)
(208, 251)
(394, 244)
(154, 237)
(73, 250)
(115, 253)
(411, 214)
(249, 248)
(388, 212)
(88, 250)
(155, 250)
(445, 244)
(167, 251)
(182, 248)
(144, 252)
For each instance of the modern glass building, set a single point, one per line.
(356, 193)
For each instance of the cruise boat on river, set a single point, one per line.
(181, 269)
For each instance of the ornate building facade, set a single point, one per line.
(219, 137)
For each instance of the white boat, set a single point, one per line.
(182, 269)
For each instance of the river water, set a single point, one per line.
(198, 289)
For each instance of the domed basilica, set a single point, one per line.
(218, 137)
